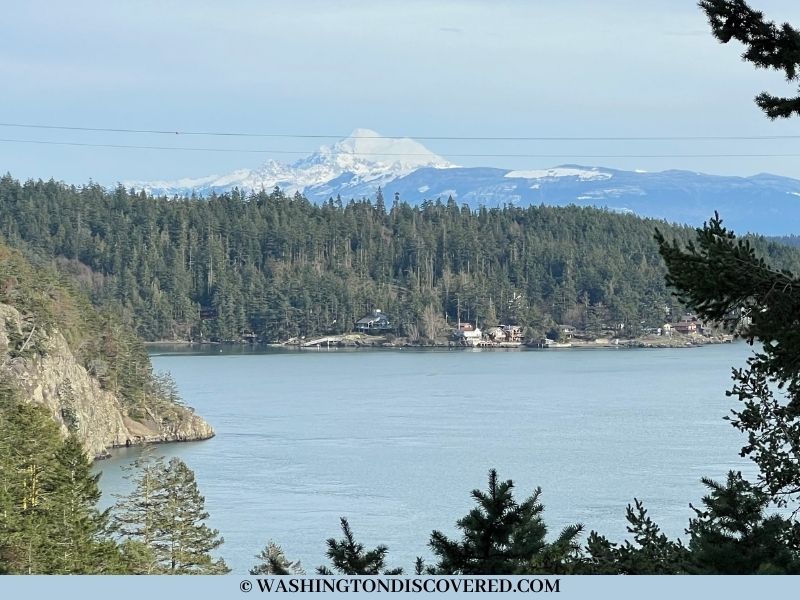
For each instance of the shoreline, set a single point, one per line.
(181, 343)
(367, 342)
(108, 452)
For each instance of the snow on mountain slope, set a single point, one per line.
(361, 157)
(356, 166)
(582, 174)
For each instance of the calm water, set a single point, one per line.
(396, 439)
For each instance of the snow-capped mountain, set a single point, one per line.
(764, 203)
(361, 159)
(356, 166)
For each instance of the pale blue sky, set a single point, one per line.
(513, 68)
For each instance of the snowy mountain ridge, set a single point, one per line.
(363, 156)
(356, 166)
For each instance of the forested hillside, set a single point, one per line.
(273, 266)
(788, 240)
(47, 304)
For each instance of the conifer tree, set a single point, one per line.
(245, 265)
(767, 46)
(136, 558)
(8, 477)
(272, 561)
(501, 536)
(725, 280)
(81, 528)
(27, 453)
(49, 522)
(730, 534)
(136, 515)
(183, 541)
(650, 553)
(349, 557)
(165, 513)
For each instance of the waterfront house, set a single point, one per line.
(566, 332)
(467, 335)
(496, 334)
(686, 326)
(374, 324)
(513, 333)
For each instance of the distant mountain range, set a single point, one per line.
(357, 165)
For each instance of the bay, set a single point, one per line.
(395, 440)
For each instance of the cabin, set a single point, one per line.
(467, 335)
(375, 324)
(496, 334)
(566, 332)
(686, 326)
(513, 333)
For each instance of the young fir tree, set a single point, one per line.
(730, 534)
(650, 553)
(501, 536)
(349, 557)
(272, 561)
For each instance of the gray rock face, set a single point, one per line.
(57, 381)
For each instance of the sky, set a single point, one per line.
(535, 68)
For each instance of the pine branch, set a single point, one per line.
(767, 46)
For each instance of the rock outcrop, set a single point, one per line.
(77, 401)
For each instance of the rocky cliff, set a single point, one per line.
(54, 378)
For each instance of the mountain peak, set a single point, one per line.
(368, 146)
(365, 156)
(356, 166)
(360, 132)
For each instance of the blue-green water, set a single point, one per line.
(396, 439)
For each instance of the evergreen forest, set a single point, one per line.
(110, 351)
(269, 267)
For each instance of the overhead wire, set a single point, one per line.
(398, 154)
(178, 132)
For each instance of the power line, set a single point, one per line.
(416, 137)
(398, 154)
(140, 147)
